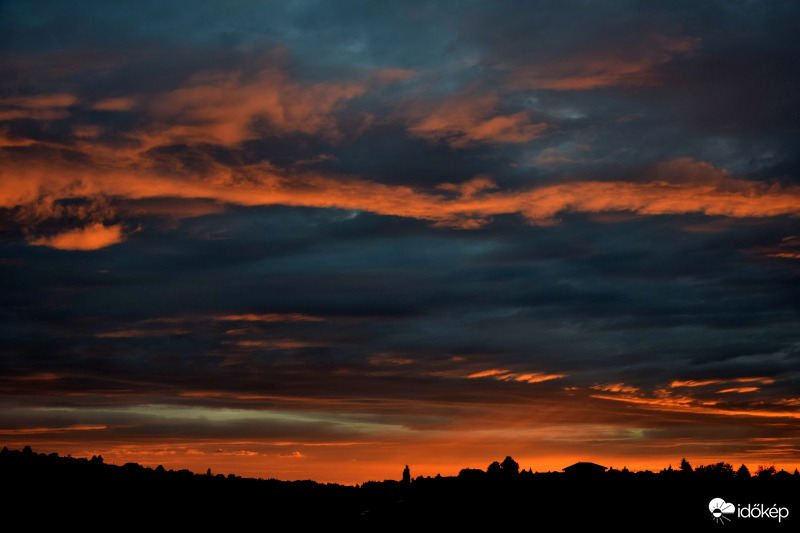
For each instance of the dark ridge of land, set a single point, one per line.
(50, 490)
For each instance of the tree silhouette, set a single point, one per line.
(721, 469)
(764, 471)
(509, 466)
(685, 466)
(472, 500)
(743, 472)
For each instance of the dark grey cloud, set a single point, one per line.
(651, 324)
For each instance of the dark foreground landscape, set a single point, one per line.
(49, 490)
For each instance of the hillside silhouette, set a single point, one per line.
(50, 489)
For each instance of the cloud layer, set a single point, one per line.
(318, 241)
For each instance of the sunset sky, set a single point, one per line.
(324, 240)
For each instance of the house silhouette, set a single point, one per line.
(585, 469)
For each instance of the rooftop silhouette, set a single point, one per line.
(51, 487)
(582, 468)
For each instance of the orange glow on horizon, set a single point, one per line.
(475, 435)
(290, 462)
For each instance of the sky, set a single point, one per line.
(324, 240)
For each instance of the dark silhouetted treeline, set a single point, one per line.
(50, 490)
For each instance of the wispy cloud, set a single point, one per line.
(36, 107)
(222, 107)
(607, 67)
(472, 120)
(270, 317)
(710, 193)
(506, 375)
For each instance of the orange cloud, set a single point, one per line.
(47, 113)
(665, 400)
(692, 383)
(134, 333)
(631, 66)
(271, 317)
(788, 248)
(505, 375)
(91, 237)
(293, 455)
(616, 387)
(37, 107)
(40, 101)
(537, 377)
(554, 156)
(469, 121)
(395, 75)
(277, 344)
(686, 186)
(223, 108)
(114, 104)
(389, 359)
(471, 187)
(40, 376)
(765, 381)
(169, 207)
(487, 373)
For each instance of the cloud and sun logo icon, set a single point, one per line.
(719, 509)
